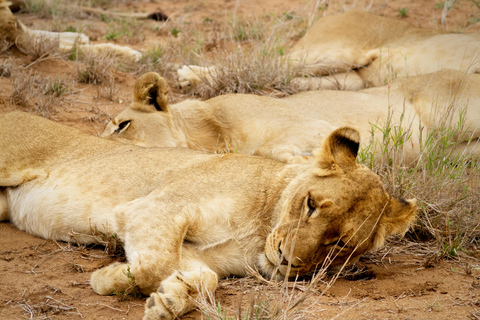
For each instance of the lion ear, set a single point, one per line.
(397, 217)
(338, 152)
(150, 93)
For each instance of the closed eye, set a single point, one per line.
(338, 243)
(341, 244)
(122, 126)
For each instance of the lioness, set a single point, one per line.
(17, 34)
(357, 49)
(289, 129)
(245, 124)
(188, 218)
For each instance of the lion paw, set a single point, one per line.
(173, 298)
(109, 279)
(190, 76)
(156, 310)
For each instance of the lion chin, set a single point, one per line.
(268, 269)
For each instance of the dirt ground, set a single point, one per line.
(44, 279)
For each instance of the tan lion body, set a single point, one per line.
(287, 129)
(357, 49)
(16, 33)
(381, 49)
(246, 124)
(418, 104)
(187, 218)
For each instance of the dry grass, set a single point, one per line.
(96, 68)
(4, 45)
(265, 300)
(36, 93)
(108, 90)
(446, 183)
(127, 30)
(6, 68)
(40, 48)
(249, 57)
(45, 309)
(23, 87)
(53, 9)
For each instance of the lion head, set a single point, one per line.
(140, 123)
(334, 213)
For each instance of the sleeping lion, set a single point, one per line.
(289, 129)
(188, 218)
(19, 35)
(357, 49)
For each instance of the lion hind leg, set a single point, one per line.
(115, 50)
(66, 39)
(190, 76)
(177, 293)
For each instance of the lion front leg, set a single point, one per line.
(177, 294)
(111, 279)
(146, 274)
(152, 232)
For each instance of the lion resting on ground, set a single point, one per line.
(245, 124)
(289, 129)
(17, 34)
(187, 218)
(358, 49)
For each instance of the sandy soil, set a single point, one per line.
(44, 279)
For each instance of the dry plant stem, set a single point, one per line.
(4, 45)
(96, 68)
(6, 68)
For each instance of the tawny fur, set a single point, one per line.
(357, 49)
(188, 218)
(246, 124)
(288, 129)
(17, 34)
